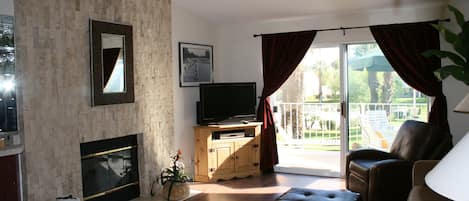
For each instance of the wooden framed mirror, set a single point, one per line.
(112, 79)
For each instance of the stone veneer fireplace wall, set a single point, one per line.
(52, 38)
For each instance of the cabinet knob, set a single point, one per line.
(212, 169)
(236, 157)
(256, 164)
(255, 145)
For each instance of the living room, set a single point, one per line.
(55, 114)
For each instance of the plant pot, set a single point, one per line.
(179, 190)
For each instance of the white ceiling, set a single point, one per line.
(223, 11)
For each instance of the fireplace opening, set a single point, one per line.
(110, 169)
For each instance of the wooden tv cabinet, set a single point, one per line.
(222, 159)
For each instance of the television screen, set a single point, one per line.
(221, 101)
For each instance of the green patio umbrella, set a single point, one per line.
(371, 61)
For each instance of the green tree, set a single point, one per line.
(318, 68)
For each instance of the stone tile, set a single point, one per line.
(54, 73)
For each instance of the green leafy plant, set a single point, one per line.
(460, 42)
(175, 173)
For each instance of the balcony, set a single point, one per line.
(309, 135)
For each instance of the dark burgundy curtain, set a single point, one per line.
(403, 45)
(281, 53)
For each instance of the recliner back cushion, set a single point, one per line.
(415, 140)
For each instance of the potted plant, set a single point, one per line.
(460, 56)
(174, 180)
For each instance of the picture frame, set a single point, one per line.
(195, 64)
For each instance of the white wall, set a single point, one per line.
(239, 54)
(6, 7)
(453, 89)
(187, 27)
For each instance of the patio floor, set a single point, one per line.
(311, 162)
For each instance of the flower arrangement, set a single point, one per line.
(175, 173)
(173, 177)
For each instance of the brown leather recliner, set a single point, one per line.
(382, 176)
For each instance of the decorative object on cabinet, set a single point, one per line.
(112, 80)
(221, 153)
(195, 64)
(2, 143)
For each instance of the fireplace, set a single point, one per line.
(110, 169)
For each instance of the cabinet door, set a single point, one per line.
(247, 156)
(222, 155)
(9, 185)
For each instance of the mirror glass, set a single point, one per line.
(8, 117)
(113, 52)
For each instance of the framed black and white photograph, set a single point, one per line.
(195, 64)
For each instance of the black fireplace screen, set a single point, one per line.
(110, 169)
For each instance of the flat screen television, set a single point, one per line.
(222, 101)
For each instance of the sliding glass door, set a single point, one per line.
(379, 101)
(340, 98)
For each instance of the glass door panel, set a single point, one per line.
(379, 101)
(307, 115)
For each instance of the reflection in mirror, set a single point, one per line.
(8, 119)
(113, 63)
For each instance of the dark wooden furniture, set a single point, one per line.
(382, 176)
(9, 178)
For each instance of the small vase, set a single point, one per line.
(179, 191)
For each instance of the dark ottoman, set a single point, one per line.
(304, 194)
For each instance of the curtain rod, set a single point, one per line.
(357, 27)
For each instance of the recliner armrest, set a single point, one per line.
(370, 154)
(421, 168)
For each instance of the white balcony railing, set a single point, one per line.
(319, 123)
